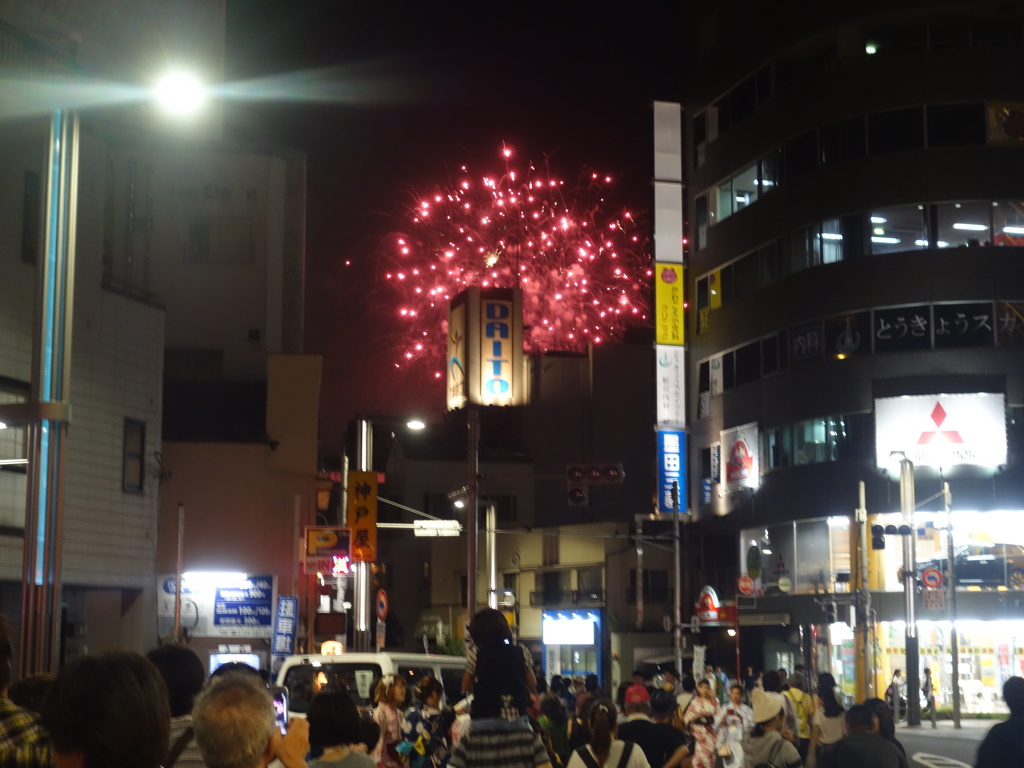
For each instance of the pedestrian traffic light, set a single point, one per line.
(831, 609)
(877, 537)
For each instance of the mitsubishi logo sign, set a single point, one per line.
(942, 430)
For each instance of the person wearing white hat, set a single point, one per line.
(765, 744)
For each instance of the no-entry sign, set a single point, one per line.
(932, 578)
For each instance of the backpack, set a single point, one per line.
(590, 762)
(773, 757)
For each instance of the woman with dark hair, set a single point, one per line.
(886, 725)
(333, 727)
(828, 723)
(700, 720)
(578, 726)
(552, 722)
(603, 750)
(108, 711)
(424, 736)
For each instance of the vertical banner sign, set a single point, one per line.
(327, 550)
(671, 468)
(670, 386)
(740, 447)
(283, 639)
(456, 390)
(668, 304)
(496, 352)
(362, 515)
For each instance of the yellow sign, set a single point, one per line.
(362, 515)
(668, 304)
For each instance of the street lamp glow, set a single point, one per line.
(416, 424)
(179, 93)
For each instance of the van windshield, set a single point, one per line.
(358, 679)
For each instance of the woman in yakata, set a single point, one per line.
(700, 719)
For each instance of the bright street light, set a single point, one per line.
(179, 92)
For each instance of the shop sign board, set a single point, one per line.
(219, 604)
(326, 550)
(670, 378)
(942, 430)
(669, 322)
(740, 448)
(361, 516)
(933, 600)
(708, 605)
(671, 469)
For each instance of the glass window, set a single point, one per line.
(803, 249)
(956, 125)
(771, 170)
(898, 130)
(746, 275)
(704, 376)
(701, 215)
(722, 202)
(748, 363)
(779, 447)
(802, 154)
(810, 443)
(900, 228)
(744, 186)
(13, 460)
(960, 225)
(724, 115)
(728, 373)
(1008, 222)
(843, 141)
(813, 557)
(831, 241)
(769, 354)
(134, 456)
(764, 84)
(769, 258)
(703, 296)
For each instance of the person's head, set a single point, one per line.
(638, 677)
(1013, 695)
(768, 711)
(30, 692)
(489, 628)
(108, 711)
(860, 719)
(579, 684)
(797, 681)
(663, 704)
(590, 683)
(182, 673)
(829, 702)
(826, 680)
(551, 707)
(896, 673)
(333, 720)
(390, 690)
(369, 735)
(637, 700)
(234, 722)
(602, 729)
(429, 691)
(237, 668)
(704, 689)
(557, 686)
(689, 685)
(783, 675)
(671, 675)
(772, 681)
(927, 672)
(798, 668)
(886, 725)
(736, 694)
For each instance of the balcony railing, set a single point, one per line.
(571, 598)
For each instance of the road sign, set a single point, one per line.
(932, 578)
(381, 634)
(382, 605)
(745, 584)
(933, 600)
(785, 583)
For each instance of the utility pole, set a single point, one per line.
(678, 618)
(862, 587)
(909, 583)
(954, 643)
(472, 506)
(361, 571)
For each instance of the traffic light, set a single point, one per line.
(831, 609)
(877, 537)
(580, 476)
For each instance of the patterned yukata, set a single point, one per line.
(390, 721)
(702, 711)
(421, 720)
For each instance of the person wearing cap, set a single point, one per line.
(662, 745)
(765, 743)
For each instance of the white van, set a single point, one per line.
(359, 673)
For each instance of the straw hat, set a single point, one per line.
(766, 706)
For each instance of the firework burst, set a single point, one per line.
(583, 267)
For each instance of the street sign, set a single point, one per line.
(745, 584)
(933, 600)
(382, 605)
(932, 578)
(381, 634)
(785, 584)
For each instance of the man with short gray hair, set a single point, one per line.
(234, 724)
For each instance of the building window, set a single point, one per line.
(133, 477)
(13, 460)
(31, 217)
(956, 125)
(901, 228)
(959, 225)
(655, 587)
(550, 550)
(898, 130)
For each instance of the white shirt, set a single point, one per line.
(637, 759)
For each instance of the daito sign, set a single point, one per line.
(326, 550)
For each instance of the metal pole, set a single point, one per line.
(51, 383)
(639, 572)
(913, 677)
(954, 644)
(864, 585)
(472, 510)
(492, 557)
(361, 571)
(677, 639)
(177, 574)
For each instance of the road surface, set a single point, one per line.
(945, 746)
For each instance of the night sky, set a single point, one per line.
(434, 87)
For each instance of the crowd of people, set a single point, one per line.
(124, 710)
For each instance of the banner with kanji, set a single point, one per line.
(362, 515)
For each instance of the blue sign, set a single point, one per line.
(671, 469)
(250, 604)
(285, 626)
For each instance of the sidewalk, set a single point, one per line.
(969, 729)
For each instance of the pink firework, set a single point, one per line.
(583, 265)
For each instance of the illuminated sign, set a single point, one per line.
(708, 605)
(568, 630)
(217, 604)
(668, 304)
(671, 469)
(669, 375)
(740, 451)
(326, 550)
(942, 430)
(485, 348)
(362, 516)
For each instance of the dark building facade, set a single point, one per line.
(855, 214)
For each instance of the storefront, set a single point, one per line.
(572, 643)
